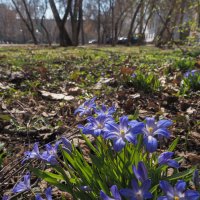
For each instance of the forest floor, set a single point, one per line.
(40, 87)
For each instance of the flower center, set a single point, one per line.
(139, 195)
(176, 198)
(100, 126)
(122, 132)
(150, 129)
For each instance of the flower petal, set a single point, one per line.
(180, 186)
(146, 185)
(115, 192)
(164, 123)
(167, 188)
(151, 144)
(192, 194)
(123, 122)
(119, 144)
(105, 196)
(162, 198)
(131, 138)
(173, 163)
(162, 132)
(48, 193)
(127, 192)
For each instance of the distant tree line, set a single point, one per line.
(75, 22)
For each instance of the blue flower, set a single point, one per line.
(152, 129)
(115, 194)
(96, 126)
(23, 185)
(196, 179)
(123, 132)
(166, 159)
(5, 197)
(138, 192)
(67, 146)
(134, 75)
(50, 154)
(191, 73)
(192, 194)
(86, 108)
(47, 193)
(140, 172)
(105, 111)
(177, 192)
(35, 153)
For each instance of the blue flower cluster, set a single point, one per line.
(191, 73)
(25, 185)
(141, 186)
(50, 155)
(125, 131)
(103, 123)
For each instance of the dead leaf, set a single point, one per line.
(190, 110)
(55, 96)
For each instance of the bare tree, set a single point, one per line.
(76, 14)
(65, 40)
(23, 8)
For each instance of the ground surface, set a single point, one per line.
(41, 87)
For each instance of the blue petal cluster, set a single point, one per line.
(153, 129)
(122, 132)
(96, 125)
(50, 155)
(166, 159)
(86, 108)
(191, 73)
(178, 192)
(23, 185)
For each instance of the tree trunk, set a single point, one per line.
(99, 22)
(132, 22)
(64, 36)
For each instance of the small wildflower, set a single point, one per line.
(133, 75)
(96, 126)
(67, 146)
(50, 154)
(115, 194)
(152, 129)
(138, 192)
(23, 185)
(105, 111)
(191, 73)
(177, 192)
(122, 132)
(32, 154)
(86, 108)
(47, 193)
(5, 197)
(165, 159)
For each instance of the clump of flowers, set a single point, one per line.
(190, 82)
(122, 163)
